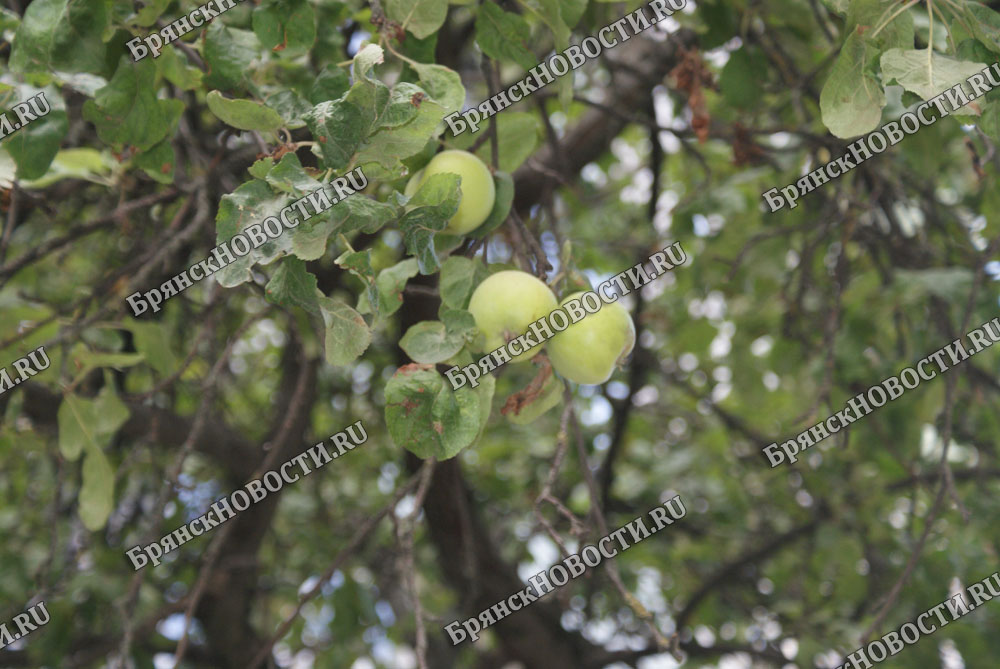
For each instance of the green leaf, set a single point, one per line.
(433, 341)
(985, 24)
(9, 19)
(292, 107)
(228, 53)
(35, 145)
(421, 17)
(572, 11)
(742, 77)
(389, 145)
(366, 59)
(85, 360)
(288, 176)
(86, 164)
(285, 25)
(420, 50)
(838, 6)
(97, 490)
(331, 84)
(866, 16)
(158, 162)
(852, 98)
(401, 106)
(950, 283)
(390, 284)
(912, 70)
(243, 114)
(62, 35)
(989, 122)
(425, 416)
(366, 214)
(973, 50)
(518, 135)
(459, 322)
(261, 168)
(370, 97)
(501, 206)
(359, 263)
(175, 69)
(433, 205)
(251, 203)
(550, 11)
(127, 112)
(89, 423)
(549, 396)
(504, 36)
(254, 201)
(347, 334)
(292, 285)
(337, 126)
(75, 426)
(147, 16)
(484, 392)
(109, 412)
(153, 341)
(459, 276)
(443, 85)
(353, 213)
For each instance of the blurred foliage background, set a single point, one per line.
(773, 324)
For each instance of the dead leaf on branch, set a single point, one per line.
(522, 398)
(745, 150)
(691, 78)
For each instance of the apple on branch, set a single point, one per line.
(505, 305)
(588, 350)
(478, 192)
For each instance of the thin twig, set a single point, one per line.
(562, 447)
(946, 480)
(11, 217)
(51, 245)
(405, 529)
(357, 540)
(595, 507)
(208, 387)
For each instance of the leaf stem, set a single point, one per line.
(930, 42)
(959, 14)
(896, 13)
(343, 240)
(386, 43)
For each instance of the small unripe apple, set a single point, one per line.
(413, 185)
(505, 305)
(587, 351)
(478, 192)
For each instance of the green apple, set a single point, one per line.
(505, 305)
(477, 189)
(413, 185)
(587, 351)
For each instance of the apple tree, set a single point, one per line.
(170, 129)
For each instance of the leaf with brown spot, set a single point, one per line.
(425, 416)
